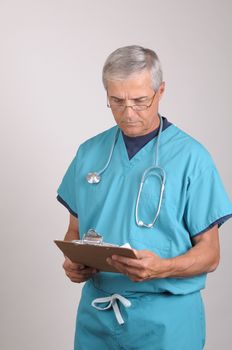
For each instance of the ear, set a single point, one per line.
(161, 89)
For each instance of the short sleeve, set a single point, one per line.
(207, 202)
(67, 189)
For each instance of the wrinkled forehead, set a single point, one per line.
(136, 84)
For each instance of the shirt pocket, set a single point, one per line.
(152, 240)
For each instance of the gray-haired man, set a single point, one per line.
(153, 186)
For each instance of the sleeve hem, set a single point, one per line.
(218, 222)
(60, 199)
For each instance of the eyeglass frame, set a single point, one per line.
(144, 107)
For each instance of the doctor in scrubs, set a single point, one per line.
(147, 183)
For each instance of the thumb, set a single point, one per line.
(141, 254)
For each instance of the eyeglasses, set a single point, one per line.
(119, 104)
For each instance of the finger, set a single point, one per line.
(80, 276)
(78, 279)
(135, 274)
(124, 268)
(74, 269)
(74, 276)
(69, 265)
(141, 254)
(85, 272)
(126, 261)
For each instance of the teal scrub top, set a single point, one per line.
(194, 198)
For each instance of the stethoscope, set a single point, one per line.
(155, 169)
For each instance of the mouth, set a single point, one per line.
(130, 123)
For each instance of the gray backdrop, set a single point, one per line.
(51, 99)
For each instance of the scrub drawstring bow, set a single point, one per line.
(112, 303)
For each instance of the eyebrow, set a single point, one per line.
(135, 98)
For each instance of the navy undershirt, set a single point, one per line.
(134, 144)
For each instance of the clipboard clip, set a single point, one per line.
(92, 237)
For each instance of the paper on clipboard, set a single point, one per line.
(93, 255)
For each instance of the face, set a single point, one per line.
(136, 90)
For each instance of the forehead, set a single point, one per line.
(136, 84)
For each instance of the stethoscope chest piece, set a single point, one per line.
(93, 178)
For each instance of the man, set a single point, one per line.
(156, 188)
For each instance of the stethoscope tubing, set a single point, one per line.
(95, 177)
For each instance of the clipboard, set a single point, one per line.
(93, 255)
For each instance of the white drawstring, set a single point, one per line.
(112, 303)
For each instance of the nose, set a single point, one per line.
(128, 111)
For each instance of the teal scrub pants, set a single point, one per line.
(153, 322)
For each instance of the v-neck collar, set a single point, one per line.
(149, 147)
(134, 144)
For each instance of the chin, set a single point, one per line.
(132, 132)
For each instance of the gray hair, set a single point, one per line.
(129, 60)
